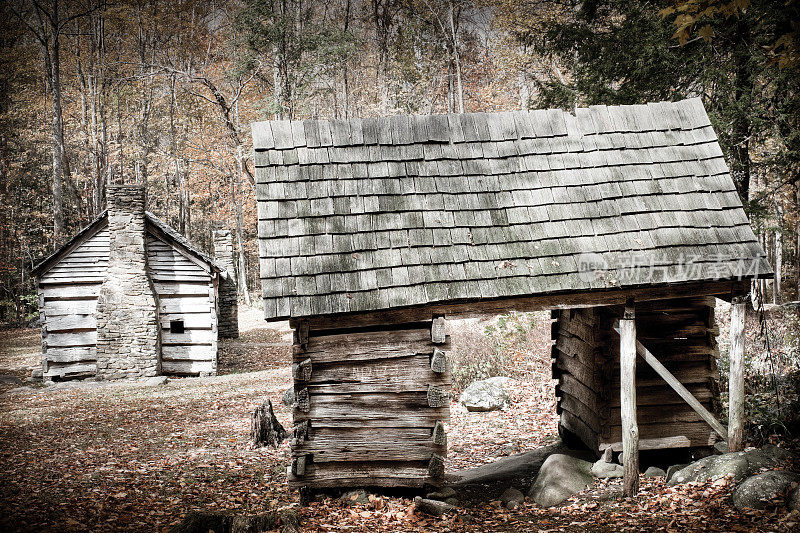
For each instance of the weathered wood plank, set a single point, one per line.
(382, 444)
(182, 289)
(368, 346)
(198, 352)
(363, 474)
(189, 336)
(186, 367)
(71, 355)
(736, 379)
(371, 410)
(67, 323)
(55, 308)
(72, 369)
(190, 320)
(62, 340)
(69, 292)
(630, 430)
(402, 374)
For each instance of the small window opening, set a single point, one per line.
(176, 326)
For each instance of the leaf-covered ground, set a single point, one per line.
(125, 457)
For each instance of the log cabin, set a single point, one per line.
(373, 232)
(130, 297)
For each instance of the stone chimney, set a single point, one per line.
(128, 339)
(228, 316)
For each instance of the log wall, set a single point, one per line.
(681, 333)
(371, 404)
(68, 301)
(186, 291)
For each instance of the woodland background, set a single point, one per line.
(95, 92)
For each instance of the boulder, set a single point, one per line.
(674, 468)
(738, 465)
(560, 477)
(156, 381)
(512, 498)
(36, 373)
(355, 497)
(654, 471)
(757, 491)
(603, 470)
(10, 379)
(793, 501)
(486, 395)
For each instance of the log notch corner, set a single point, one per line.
(371, 405)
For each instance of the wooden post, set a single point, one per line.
(736, 376)
(630, 429)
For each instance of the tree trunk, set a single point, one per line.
(265, 430)
(456, 60)
(52, 60)
(740, 134)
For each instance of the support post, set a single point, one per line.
(736, 376)
(630, 429)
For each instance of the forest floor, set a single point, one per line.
(88, 456)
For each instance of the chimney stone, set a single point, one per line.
(228, 316)
(128, 333)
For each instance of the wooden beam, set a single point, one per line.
(630, 430)
(566, 300)
(736, 378)
(678, 387)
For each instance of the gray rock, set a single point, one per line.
(777, 453)
(36, 373)
(355, 497)
(10, 379)
(722, 447)
(432, 507)
(512, 498)
(288, 397)
(793, 501)
(156, 381)
(738, 465)
(757, 491)
(486, 395)
(603, 470)
(560, 477)
(654, 471)
(442, 494)
(674, 468)
(452, 501)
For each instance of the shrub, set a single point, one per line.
(494, 347)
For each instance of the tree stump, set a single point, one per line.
(265, 430)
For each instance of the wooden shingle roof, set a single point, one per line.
(371, 214)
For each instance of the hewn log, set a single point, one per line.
(363, 474)
(265, 430)
(370, 444)
(532, 303)
(736, 377)
(630, 431)
(368, 346)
